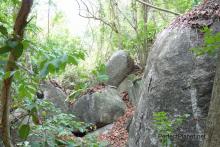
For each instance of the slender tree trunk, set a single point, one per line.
(48, 19)
(20, 23)
(134, 15)
(145, 48)
(213, 120)
(115, 21)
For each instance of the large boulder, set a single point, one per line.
(54, 95)
(177, 82)
(118, 67)
(99, 108)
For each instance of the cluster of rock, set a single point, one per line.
(100, 108)
(175, 81)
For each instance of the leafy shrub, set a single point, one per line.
(211, 43)
(82, 79)
(51, 127)
(166, 126)
(100, 73)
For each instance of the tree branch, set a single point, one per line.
(155, 7)
(20, 24)
(92, 16)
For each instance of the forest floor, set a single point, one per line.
(118, 135)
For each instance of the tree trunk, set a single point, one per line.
(143, 50)
(20, 23)
(115, 21)
(213, 120)
(212, 132)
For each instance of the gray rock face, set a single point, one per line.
(134, 91)
(118, 67)
(177, 82)
(100, 108)
(124, 85)
(54, 95)
(101, 131)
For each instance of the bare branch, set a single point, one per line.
(92, 16)
(155, 7)
(129, 22)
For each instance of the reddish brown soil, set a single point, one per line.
(118, 135)
(97, 88)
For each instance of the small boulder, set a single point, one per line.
(125, 85)
(99, 108)
(118, 67)
(101, 131)
(134, 91)
(54, 95)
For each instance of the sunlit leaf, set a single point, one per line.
(24, 131)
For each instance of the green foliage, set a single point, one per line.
(91, 141)
(24, 131)
(53, 65)
(133, 43)
(196, 2)
(166, 126)
(86, 79)
(50, 126)
(3, 30)
(57, 52)
(180, 6)
(100, 73)
(211, 43)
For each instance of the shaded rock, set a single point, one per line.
(128, 124)
(134, 91)
(118, 67)
(99, 108)
(126, 84)
(134, 86)
(103, 130)
(54, 95)
(177, 82)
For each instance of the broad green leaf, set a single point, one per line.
(24, 131)
(35, 118)
(4, 49)
(81, 55)
(21, 91)
(60, 142)
(3, 30)
(18, 50)
(25, 44)
(73, 60)
(52, 66)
